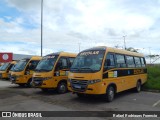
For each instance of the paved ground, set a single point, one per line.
(13, 97)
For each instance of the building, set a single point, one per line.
(20, 56)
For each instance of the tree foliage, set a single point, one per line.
(132, 49)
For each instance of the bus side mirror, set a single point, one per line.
(107, 64)
(59, 65)
(27, 72)
(31, 67)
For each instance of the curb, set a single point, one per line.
(151, 90)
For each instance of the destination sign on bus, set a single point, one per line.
(89, 53)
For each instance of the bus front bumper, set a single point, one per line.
(41, 83)
(94, 89)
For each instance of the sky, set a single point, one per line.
(73, 25)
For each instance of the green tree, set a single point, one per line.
(132, 49)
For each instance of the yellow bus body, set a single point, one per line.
(121, 78)
(52, 79)
(24, 76)
(4, 74)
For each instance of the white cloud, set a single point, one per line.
(88, 22)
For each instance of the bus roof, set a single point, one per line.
(115, 50)
(13, 62)
(63, 54)
(33, 58)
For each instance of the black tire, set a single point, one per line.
(110, 93)
(80, 95)
(29, 83)
(21, 85)
(138, 87)
(62, 88)
(44, 89)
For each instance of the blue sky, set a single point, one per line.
(70, 23)
(8, 11)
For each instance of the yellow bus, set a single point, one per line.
(52, 71)
(23, 71)
(11, 70)
(1, 64)
(5, 68)
(106, 71)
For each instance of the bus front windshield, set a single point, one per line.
(46, 64)
(88, 61)
(20, 65)
(12, 68)
(4, 66)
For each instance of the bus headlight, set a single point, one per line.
(93, 81)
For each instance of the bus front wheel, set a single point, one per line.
(62, 87)
(110, 93)
(138, 86)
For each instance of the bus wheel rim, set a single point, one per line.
(111, 94)
(62, 88)
(138, 86)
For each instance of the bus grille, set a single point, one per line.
(13, 78)
(79, 85)
(37, 81)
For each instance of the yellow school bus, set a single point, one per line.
(11, 70)
(52, 71)
(106, 71)
(5, 68)
(1, 64)
(23, 71)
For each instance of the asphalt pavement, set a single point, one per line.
(15, 98)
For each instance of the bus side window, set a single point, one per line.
(62, 64)
(143, 62)
(130, 61)
(9, 67)
(71, 61)
(120, 59)
(109, 61)
(33, 64)
(137, 61)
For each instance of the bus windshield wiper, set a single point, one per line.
(75, 68)
(16, 69)
(86, 68)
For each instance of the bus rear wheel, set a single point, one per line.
(62, 88)
(138, 86)
(110, 93)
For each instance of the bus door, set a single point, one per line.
(61, 69)
(110, 74)
(30, 69)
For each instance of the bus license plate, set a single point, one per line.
(77, 86)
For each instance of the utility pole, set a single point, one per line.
(79, 44)
(41, 27)
(150, 54)
(124, 42)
